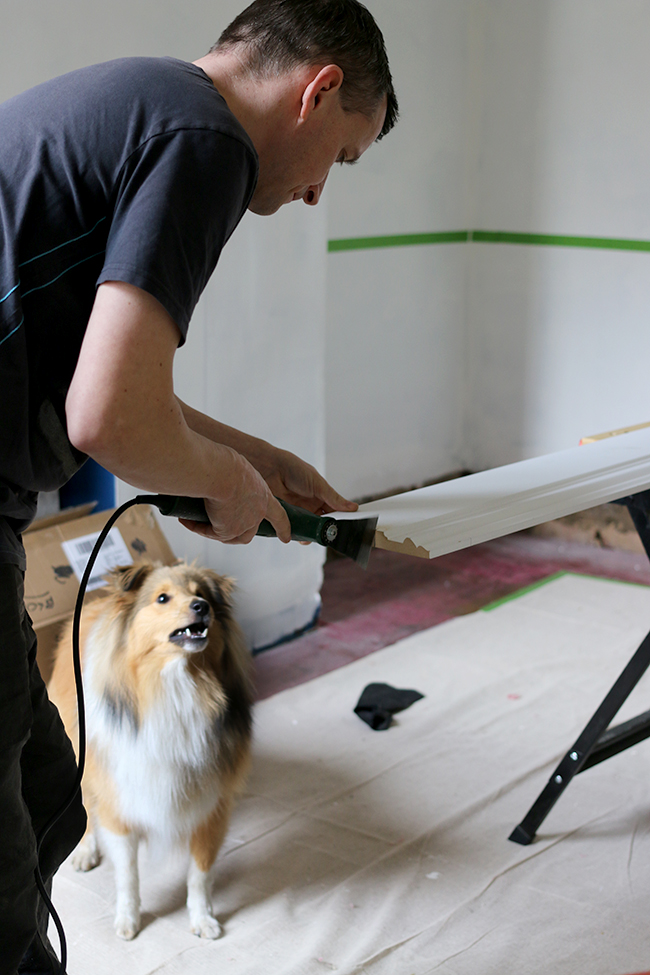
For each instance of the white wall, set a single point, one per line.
(517, 115)
(395, 316)
(41, 39)
(394, 358)
(560, 337)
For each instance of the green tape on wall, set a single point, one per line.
(555, 240)
(397, 240)
(487, 237)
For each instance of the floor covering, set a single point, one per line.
(356, 851)
(399, 595)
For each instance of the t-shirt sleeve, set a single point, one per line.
(177, 201)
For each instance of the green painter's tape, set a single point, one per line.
(397, 240)
(555, 240)
(522, 592)
(487, 237)
(552, 578)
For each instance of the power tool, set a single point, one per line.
(353, 538)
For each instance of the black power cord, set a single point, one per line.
(81, 710)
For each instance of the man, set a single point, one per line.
(119, 185)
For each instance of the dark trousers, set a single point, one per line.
(37, 773)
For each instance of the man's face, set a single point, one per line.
(296, 165)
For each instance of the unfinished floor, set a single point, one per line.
(398, 595)
(387, 854)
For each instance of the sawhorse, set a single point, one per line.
(598, 741)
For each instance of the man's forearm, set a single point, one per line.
(169, 458)
(257, 452)
(122, 411)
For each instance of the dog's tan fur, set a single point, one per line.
(165, 703)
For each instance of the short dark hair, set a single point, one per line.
(280, 35)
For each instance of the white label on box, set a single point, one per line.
(113, 552)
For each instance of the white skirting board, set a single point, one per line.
(455, 514)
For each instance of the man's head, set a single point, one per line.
(309, 80)
(276, 36)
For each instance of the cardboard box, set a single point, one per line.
(57, 548)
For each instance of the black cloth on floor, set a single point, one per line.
(379, 702)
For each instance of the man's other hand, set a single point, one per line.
(296, 481)
(235, 519)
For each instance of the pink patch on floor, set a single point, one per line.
(399, 595)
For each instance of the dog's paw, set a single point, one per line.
(206, 926)
(86, 856)
(127, 926)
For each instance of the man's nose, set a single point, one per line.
(312, 196)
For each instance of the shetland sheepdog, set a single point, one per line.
(166, 678)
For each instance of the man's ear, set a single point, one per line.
(321, 90)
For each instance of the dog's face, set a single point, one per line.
(174, 609)
(164, 643)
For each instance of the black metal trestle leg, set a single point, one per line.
(596, 743)
(577, 757)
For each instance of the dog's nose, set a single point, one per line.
(201, 607)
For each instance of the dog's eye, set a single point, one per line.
(163, 598)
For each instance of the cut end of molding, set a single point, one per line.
(407, 547)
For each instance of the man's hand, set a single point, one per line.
(235, 520)
(288, 477)
(296, 481)
(285, 476)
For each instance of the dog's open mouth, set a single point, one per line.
(192, 637)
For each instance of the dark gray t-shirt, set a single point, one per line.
(134, 170)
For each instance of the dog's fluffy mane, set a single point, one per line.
(220, 672)
(152, 706)
(166, 676)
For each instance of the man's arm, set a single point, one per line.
(121, 410)
(289, 477)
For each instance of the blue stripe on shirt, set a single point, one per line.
(13, 330)
(64, 244)
(10, 292)
(51, 251)
(48, 283)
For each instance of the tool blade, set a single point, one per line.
(355, 539)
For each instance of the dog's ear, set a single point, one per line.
(129, 578)
(218, 589)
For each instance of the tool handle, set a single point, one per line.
(305, 526)
(191, 508)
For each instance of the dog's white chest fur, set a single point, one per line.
(166, 674)
(163, 767)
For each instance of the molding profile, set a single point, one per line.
(456, 514)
